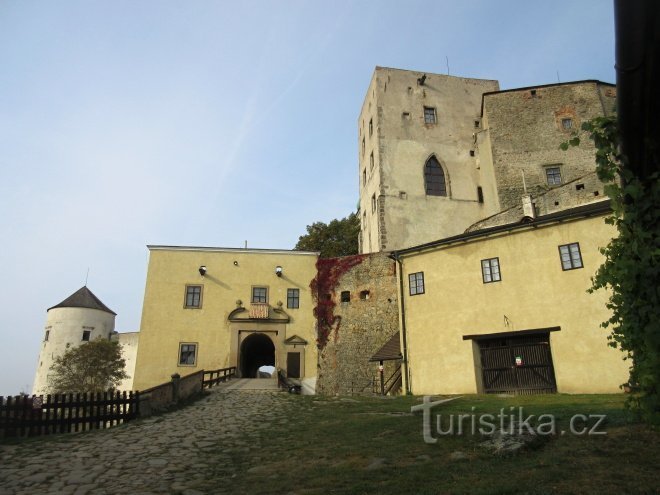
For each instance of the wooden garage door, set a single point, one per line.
(520, 365)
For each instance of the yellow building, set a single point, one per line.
(209, 308)
(506, 309)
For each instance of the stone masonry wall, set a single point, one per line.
(362, 326)
(526, 129)
(581, 191)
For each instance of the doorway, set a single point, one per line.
(517, 364)
(256, 350)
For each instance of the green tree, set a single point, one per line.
(631, 270)
(337, 238)
(94, 366)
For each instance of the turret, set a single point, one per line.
(81, 317)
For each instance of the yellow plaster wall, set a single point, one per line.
(166, 323)
(534, 293)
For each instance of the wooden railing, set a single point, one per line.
(214, 377)
(65, 413)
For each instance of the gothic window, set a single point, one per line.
(434, 178)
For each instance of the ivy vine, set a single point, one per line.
(631, 271)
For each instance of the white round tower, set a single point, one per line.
(81, 317)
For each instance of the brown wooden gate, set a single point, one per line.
(517, 364)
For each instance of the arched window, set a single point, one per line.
(434, 178)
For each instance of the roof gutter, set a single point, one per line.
(402, 307)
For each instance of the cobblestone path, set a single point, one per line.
(198, 449)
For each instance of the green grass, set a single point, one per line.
(328, 444)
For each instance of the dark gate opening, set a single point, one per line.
(517, 364)
(256, 350)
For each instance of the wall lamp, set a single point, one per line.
(202, 270)
(278, 271)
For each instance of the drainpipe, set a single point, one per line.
(395, 257)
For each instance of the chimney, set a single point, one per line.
(529, 210)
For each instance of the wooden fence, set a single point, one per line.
(65, 413)
(214, 377)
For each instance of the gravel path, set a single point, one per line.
(198, 449)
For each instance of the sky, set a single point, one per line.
(213, 123)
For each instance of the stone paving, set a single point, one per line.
(194, 450)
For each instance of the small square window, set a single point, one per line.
(532, 92)
(567, 124)
(293, 298)
(364, 295)
(259, 294)
(571, 257)
(187, 354)
(86, 335)
(553, 175)
(416, 282)
(345, 296)
(193, 296)
(429, 115)
(490, 270)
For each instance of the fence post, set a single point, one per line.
(176, 379)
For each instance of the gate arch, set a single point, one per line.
(256, 350)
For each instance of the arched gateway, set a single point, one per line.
(256, 350)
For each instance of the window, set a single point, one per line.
(416, 281)
(293, 298)
(570, 255)
(371, 161)
(187, 354)
(480, 194)
(47, 335)
(371, 127)
(363, 146)
(567, 124)
(86, 334)
(429, 115)
(434, 178)
(490, 270)
(364, 177)
(345, 296)
(364, 295)
(553, 175)
(373, 203)
(193, 296)
(259, 294)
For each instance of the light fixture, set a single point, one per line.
(202, 270)
(278, 271)
(235, 263)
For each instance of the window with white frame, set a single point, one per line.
(571, 257)
(490, 270)
(416, 283)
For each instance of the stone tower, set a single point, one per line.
(81, 317)
(419, 174)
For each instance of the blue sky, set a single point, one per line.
(127, 123)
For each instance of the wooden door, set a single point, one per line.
(293, 364)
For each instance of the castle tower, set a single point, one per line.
(81, 317)
(418, 164)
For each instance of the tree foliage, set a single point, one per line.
(337, 238)
(631, 270)
(94, 366)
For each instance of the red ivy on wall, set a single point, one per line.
(328, 273)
